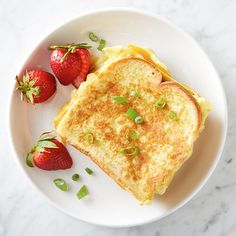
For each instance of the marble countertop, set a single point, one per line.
(212, 212)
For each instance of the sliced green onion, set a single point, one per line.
(119, 100)
(101, 45)
(82, 192)
(131, 113)
(132, 135)
(130, 151)
(134, 94)
(88, 170)
(138, 120)
(61, 184)
(75, 177)
(160, 103)
(89, 138)
(93, 37)
(172, 115)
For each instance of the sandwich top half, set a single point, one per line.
(142, 157)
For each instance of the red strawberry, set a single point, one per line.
(36, 86)
(49, 154)
(70, 63)
(85, 66)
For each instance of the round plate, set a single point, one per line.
(107, 203)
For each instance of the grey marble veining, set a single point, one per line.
(212, 212)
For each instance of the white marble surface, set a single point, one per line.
(212, 23)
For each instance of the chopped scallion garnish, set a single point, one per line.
(101, 45)
(82, 192)
(138, 120)
(130, 151)
(160, 103)
(134, 94)
(133, 115)
(132, 135)
(75, 177)
(88, 170)
(89, 138)
(172, 115)
(61, 184)
(119, 100)
(93, 37)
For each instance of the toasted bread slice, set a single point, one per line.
(165, 138)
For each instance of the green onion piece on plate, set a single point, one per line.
(134, 94)
(132, 135)
(75, 177)
(61, 184)
(88, 170)
(89, 138)
(82, 192)
(138, 120)
(101, 45)
(131, 113)
(119, 100)
(160, 103)
(172, 115)
(130, 151)
(93, 37)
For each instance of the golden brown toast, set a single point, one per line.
(164, 139)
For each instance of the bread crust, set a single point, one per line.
(189, 97)
(125, 60)
(103, 167)
(110, 174)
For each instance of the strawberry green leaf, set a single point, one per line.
(21, 96)
(28, 88)
(29, 95)
(39, 149)
(18, 81)
(33, 81)
(46, 133)
(29, 160)
(36, 91)
(48, 137)
(46, 144)
(26, 77)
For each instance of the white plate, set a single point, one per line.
(108, 204)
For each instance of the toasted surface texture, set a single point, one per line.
(164, 143)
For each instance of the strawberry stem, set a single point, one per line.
(71, 48)
(67, 46)
(28, 88)
(66, 54)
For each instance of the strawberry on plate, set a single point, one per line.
(70, 63)
(49, 154)
(36, 86)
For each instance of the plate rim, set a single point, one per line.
(176, 28)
